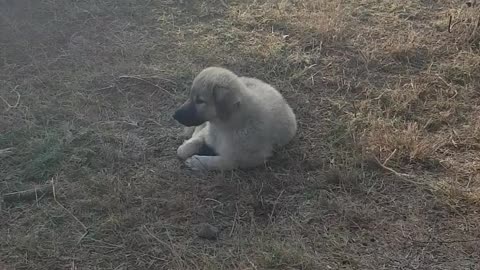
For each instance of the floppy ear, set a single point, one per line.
(227, 101)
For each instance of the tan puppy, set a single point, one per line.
(235, 122)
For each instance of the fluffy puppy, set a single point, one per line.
(234, 122)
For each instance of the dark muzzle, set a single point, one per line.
(188, 116)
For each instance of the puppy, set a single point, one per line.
(233, 122)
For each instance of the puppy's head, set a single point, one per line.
(215, 95)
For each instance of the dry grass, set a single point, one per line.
(87, 89)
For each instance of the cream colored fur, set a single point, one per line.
(257, 119)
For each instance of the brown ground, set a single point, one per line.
(87, 91)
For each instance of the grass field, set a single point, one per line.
(384, 172)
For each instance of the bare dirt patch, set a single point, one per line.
(384, 172)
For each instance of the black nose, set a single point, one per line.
(176, 115)
(188, 116)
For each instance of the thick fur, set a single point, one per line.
(242, 119)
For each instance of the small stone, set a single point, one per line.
(207, 231)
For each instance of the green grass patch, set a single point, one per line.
(37, 155)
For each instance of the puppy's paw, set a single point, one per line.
(195, 163)
(187, 132)
(183, 152)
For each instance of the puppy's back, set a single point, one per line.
(275, 113)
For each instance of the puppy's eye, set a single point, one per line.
(199, 101)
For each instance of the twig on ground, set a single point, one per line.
(85, 228)
(275, 205)
(404, 176)
(213, 200)
(160, 241)
(447, 241)
(26, 195)
(146, 81)
(6, 152)
(83, 236)
(9, 106)
(234, 221)
(154, 121)
(389, 157)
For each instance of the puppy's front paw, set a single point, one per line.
(183, 152)
(187, 132)
(195, 163)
